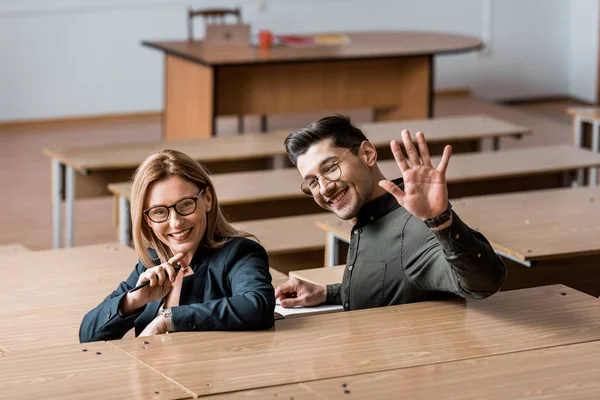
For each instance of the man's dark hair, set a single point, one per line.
(337, 127)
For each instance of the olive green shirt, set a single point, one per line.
(394, 258)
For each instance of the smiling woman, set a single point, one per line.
(223, 282)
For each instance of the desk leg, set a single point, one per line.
(333, 248)
(124, 221)
(595, 149)
(496, 143)
(70, 205)
(57, 191)
(579, 142)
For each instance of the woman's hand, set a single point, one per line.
(160, 277)
(158, 326)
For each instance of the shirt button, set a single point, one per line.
(478, 255)
(345, 305)
(350, 268)
(457, 236)
(372, 218)
(356, 231)
(192, 325)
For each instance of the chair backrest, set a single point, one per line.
(211, 15)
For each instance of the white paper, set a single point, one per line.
(299, 310)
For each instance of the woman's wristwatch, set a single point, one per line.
(166, 313)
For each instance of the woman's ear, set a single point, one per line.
(368, 153)
(208, 198)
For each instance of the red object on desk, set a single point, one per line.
(265, 38)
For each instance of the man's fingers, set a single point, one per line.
(409, 146)
(285, 288)
(423, 149)
(291, 302)
(398, 156)
(443, 166)
(393, 189)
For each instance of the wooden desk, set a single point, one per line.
(13, 248)
(42, 304)
(583, 119)
(537, 233)
(467, 174)
(291, 242)
(391, 72)
(82, 172)
(67, 372)
(375, 340)
(320, 276)
(560, 373)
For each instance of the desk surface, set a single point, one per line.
(67, 372)
(255, 145)
(538, 225)
(589, 113)
(349, 343)
(13, 248)
(362, 45)
(281, 184)
(282, 235)
(46, 301)
(321, 276)
(561, 373)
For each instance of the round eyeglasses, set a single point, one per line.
(183, 207)
(333, 172)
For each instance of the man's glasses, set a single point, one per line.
(333, 172)
(183, 207)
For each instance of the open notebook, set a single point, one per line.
(300, 311)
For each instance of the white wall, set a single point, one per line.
(83, 57)
(583, 49)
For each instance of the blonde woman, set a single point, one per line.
(201, 273)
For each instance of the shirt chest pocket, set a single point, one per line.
(367, 285)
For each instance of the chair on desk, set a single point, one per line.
(218, 16)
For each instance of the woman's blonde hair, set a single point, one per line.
(158, 167)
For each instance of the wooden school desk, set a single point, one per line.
(567, 372)
(276, 193)
(545, 237)
(583, 119)
(47, 293)
(357, 342)
(80, 172)
(390, 72)
(67, 372)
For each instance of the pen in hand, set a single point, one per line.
(141, 285)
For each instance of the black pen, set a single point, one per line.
(141, 285)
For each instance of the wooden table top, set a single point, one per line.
(358, 342)
(561, 373)
(362, 45)
(538, 225)
(46, 301)
(13, 248)
(589, 113)
(281, 184)
(321, 276)
(67, 372)
(280, 235)
(260, 145)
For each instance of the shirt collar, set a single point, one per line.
(379, 207)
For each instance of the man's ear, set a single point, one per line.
(368, 153)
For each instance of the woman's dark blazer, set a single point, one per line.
(230, 289)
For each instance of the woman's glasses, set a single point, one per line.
(183, 207)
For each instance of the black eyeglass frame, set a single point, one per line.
(316, 178)
(174, 207)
